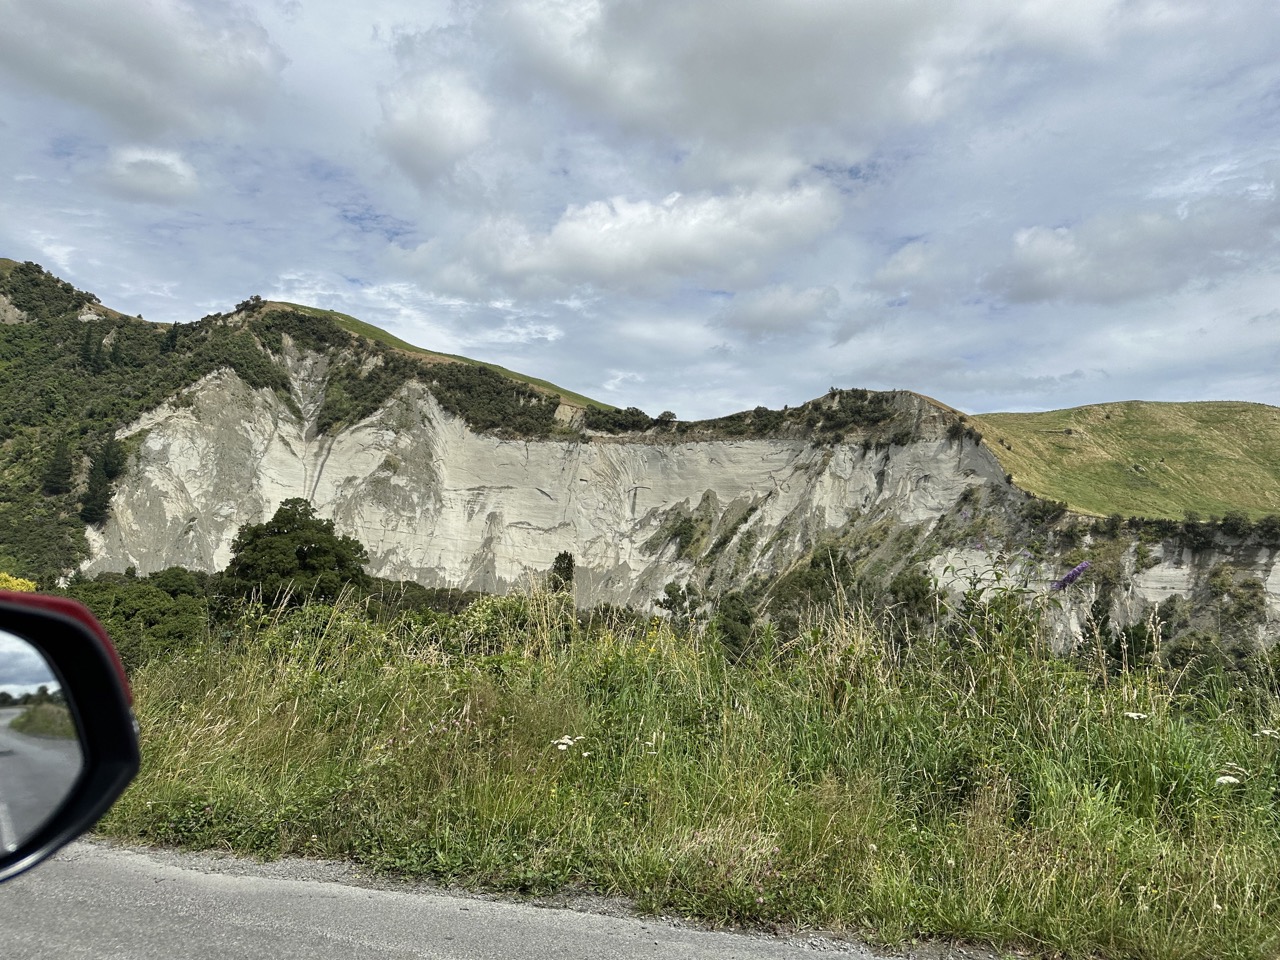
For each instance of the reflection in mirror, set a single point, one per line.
(40, 755)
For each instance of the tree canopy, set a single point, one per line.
(295, 551)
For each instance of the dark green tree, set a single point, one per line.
(86, 347)
(112, 457)
(97, 498)
(561, 579)
(57, 474)
(295, 552)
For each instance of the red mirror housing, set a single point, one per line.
(97, 694)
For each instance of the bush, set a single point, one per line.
(630, 420)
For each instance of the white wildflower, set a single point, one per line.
(1135, 716)
(1226, 779)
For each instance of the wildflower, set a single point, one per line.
(1268, 733)
(1226, 779)
(1072, 576)
(1135, 716)
(565, 742)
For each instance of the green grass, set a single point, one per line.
(1145, 459)
(966, 785)
(378, 335)
(45, 720)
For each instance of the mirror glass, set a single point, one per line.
(40, 754)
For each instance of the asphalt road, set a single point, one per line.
(36, 773)
(95, 900)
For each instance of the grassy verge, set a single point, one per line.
(962, 785)
(45, 720)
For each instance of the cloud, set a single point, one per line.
(431, 121)
(778, 310)
(148, 67)
(522, 332)
(726, 77)
(642, 245)
(158, 176)
(1116, 257)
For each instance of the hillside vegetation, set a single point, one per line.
(377, 335)
(1158, 460)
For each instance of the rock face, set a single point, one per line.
(439, 504)
(436, 503)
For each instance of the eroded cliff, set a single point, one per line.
(437, 503)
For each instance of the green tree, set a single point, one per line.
(57, 474)
(112, 457)
(561, 580)
(97, 499)
(294, 551)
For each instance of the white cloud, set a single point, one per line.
(159, 176)
(431, 121)
(149, 67)
(619, 378)
(642, 245)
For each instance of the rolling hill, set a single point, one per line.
(1145, 459)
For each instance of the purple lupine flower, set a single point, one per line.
(1072, 576)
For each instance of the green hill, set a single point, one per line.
(378, 335)
(1145, 459)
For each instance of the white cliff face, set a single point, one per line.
(439, 504)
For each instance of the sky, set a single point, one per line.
(689, 205)
(22, 668)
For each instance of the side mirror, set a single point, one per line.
(68, 742)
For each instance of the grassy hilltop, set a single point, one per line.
(1145, 459)
(376, 334)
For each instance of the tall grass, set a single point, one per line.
(962, 783)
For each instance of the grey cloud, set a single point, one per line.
(149, 68)
(746, 81)
(778, 310)
(1116, 257)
